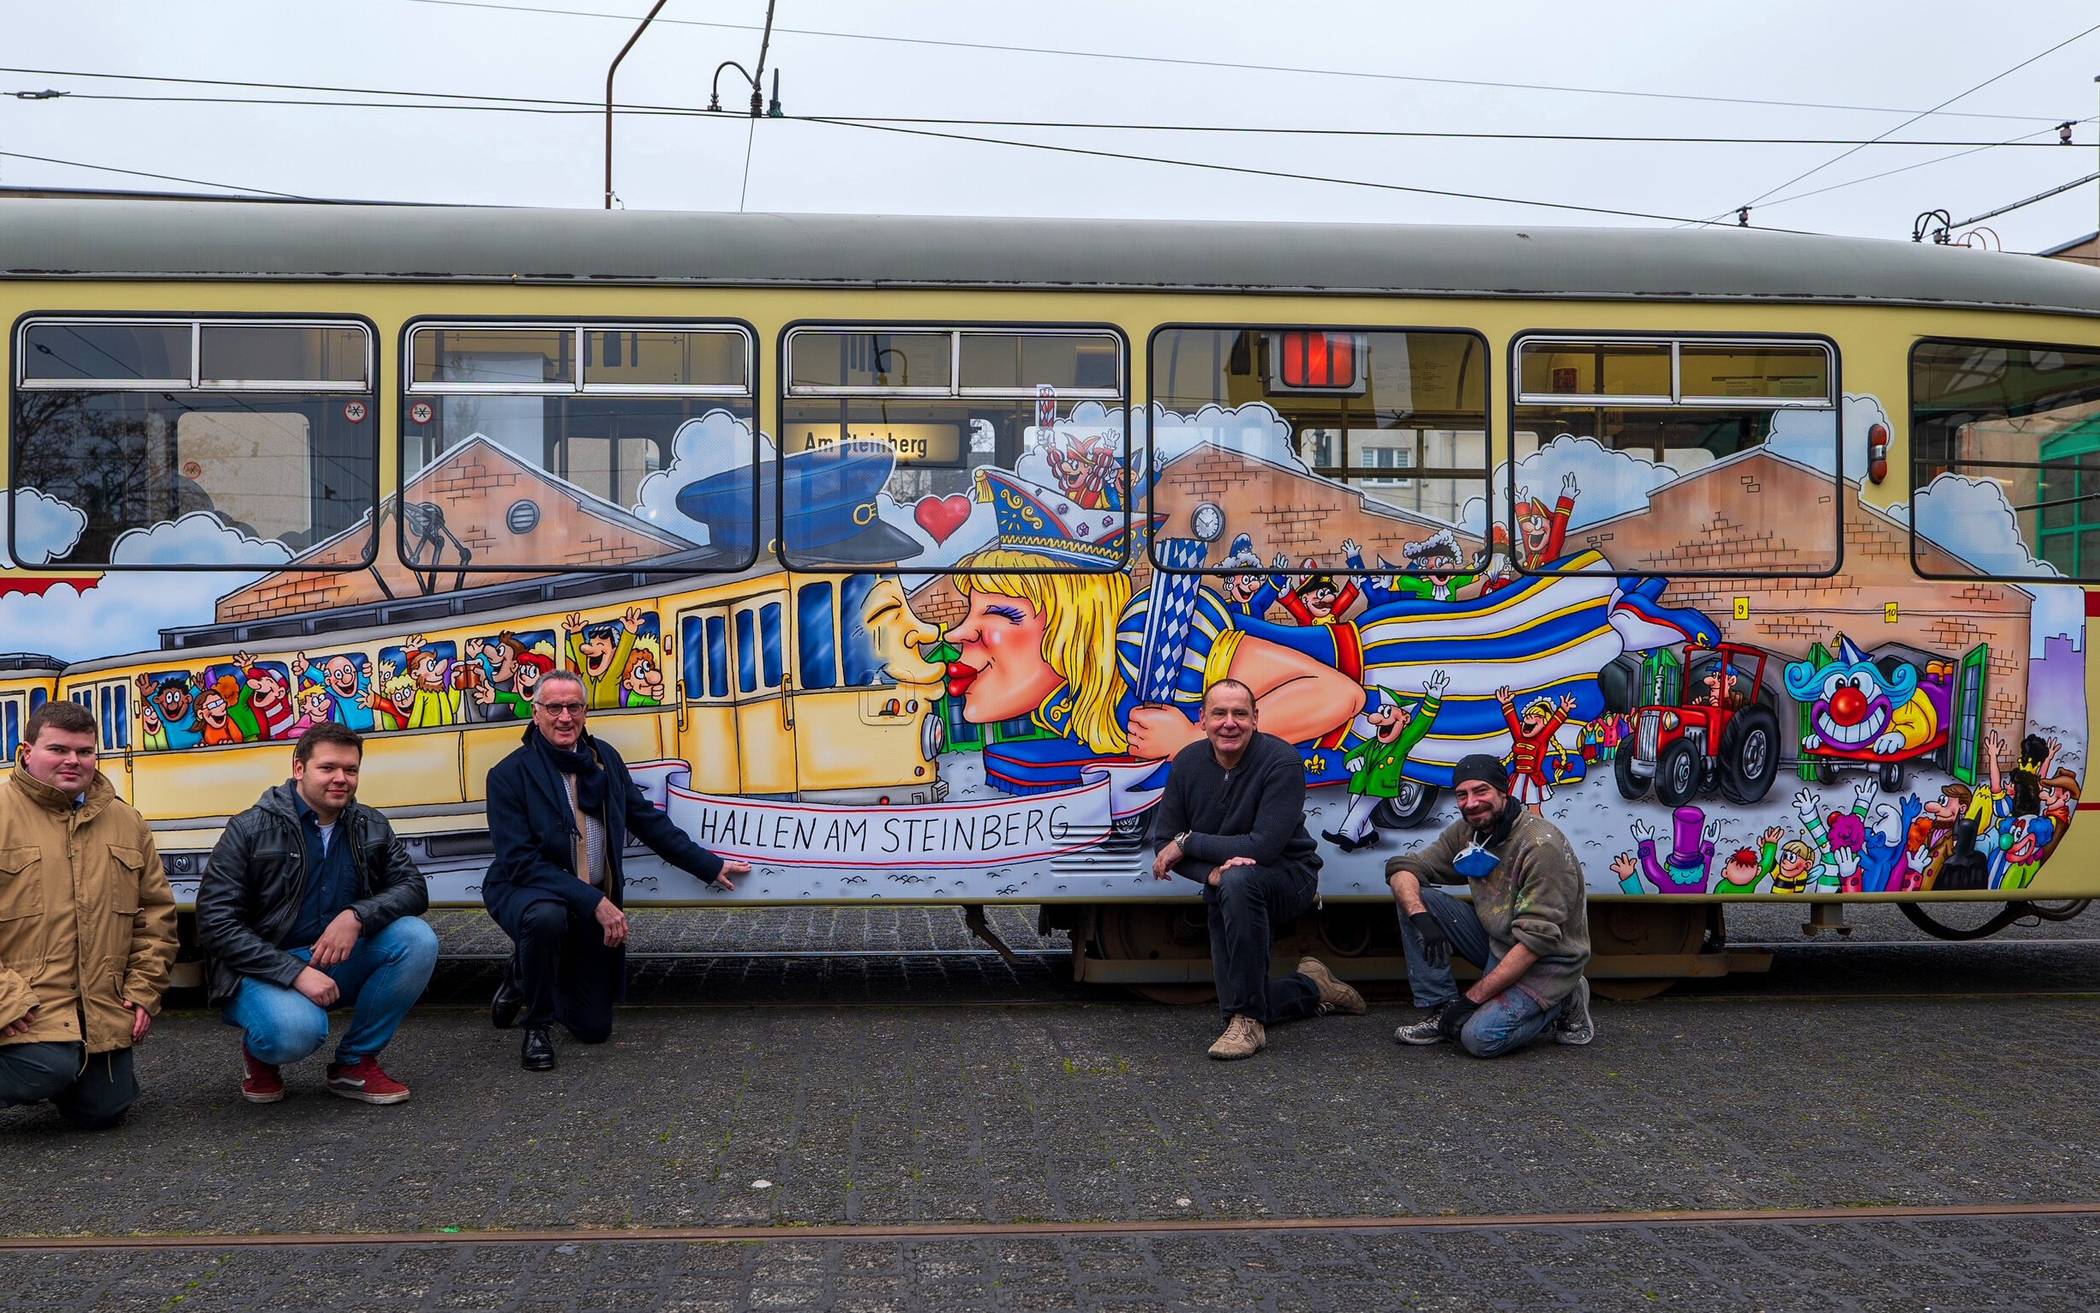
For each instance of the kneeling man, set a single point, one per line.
(1527, 926)
(1233, 818)
(87, 926)
(560, 810)
(310, 902)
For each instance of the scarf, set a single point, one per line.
(584, 765)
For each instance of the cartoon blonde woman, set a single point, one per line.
(1035, 646)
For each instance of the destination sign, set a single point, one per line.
(915, 444)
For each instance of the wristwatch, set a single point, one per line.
(1181, 840)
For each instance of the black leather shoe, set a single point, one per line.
(505, 1007)
(538, 1051)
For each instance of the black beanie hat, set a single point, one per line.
(1483, 768)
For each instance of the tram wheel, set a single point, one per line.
(1155, 932)
(1642, 929)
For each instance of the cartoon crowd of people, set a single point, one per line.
(416, 684)
(1995, 835)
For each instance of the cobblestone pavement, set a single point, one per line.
(938, 1085)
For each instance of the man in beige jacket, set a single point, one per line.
(87, 927)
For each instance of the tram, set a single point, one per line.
(896, 552)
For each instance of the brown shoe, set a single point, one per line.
(1243, 1038)
(1335, 996)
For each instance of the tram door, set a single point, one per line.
(765, 718)
(109, 702)
(707, 737)
(14, 714)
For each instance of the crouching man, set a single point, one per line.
(310, 902)
(561, 808)
(1526, 927)
(1232, 818)
(87, 927)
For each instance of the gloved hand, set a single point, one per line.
(1436, 945)
(1452, 1019)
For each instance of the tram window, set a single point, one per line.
(883, 433)
(617, 444)
(655, 360)
(104, 351)
(873, 360)
(769, 644)
(692, 662)
(746, 654)
(1396, 419)
(717, 657)
(248, 354)
(219, 444)
(10, 725)
(1071, 363)
(493, 357)
(816, 640)
(1998, 430)
(1643, 456)
(863, 667)
(1596, 369)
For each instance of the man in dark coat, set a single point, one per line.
(560, 809)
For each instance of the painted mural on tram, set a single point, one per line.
(937, 637)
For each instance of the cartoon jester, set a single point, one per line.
(1375, 766)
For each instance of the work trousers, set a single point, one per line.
(1245, 907)
(566, 972)
(1504, 1024)
(91, 1091)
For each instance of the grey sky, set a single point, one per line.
(1899, 57)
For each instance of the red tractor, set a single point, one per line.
(1725, 738)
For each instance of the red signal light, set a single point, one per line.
(1316, 360)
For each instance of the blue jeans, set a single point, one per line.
(1507, 1022)
(383, 977)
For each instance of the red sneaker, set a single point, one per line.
(363, 1081)
(262, 1084)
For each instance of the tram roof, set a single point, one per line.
(347, 242)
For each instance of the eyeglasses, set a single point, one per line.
(560, 709)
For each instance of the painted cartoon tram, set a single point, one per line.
(897, 552)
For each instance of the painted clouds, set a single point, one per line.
(125, 610)
(43, 527)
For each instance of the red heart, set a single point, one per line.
(941, 516)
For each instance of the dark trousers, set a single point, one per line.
(1245, 907)
(91, 1094)
(566, 972)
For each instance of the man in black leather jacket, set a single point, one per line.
(311, 902)
(561, 808)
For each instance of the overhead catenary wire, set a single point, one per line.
(558, 107)
(162, 177)
(1960, 95)
(2022, 204)
(1906, 168)
(501, 104)
(1252, 171)
(1244, 66)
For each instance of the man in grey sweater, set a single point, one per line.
(1233, 819)
(1527, 926)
